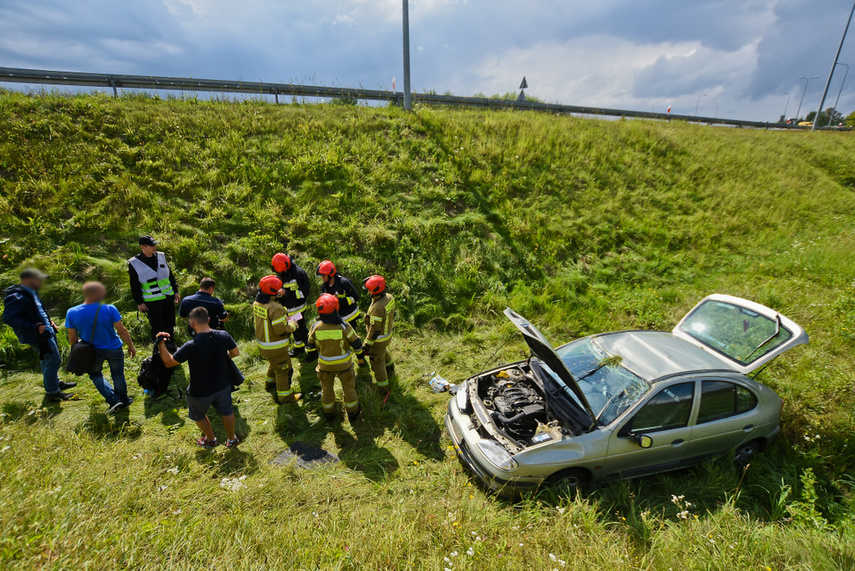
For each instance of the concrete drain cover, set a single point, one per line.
(308, 457)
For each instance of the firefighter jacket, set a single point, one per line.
(380, 319)
(335, 341)
(272, 328)
(343, 289)
(296, 284)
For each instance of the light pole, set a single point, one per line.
(698, 104)
(842, 83)
(407, 96)
(807, 80)
(787, 93)
(834, 65)
(716, 109)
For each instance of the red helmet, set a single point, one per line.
(326, 304)
(281, 263)
(326, 268)
(375, 284)
(270, 285)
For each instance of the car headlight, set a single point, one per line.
(462, 396)
(497, 455)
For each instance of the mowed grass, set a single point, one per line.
(582, 226)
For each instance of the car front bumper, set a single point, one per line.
(465, 439)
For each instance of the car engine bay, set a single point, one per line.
(516, 405)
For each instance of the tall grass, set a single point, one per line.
(580, 225)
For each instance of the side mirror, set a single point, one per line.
(643, 440)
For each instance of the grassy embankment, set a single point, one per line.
(582, 226)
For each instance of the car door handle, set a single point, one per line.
(747, 427)
(677, 442)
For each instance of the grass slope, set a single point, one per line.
(582, 226)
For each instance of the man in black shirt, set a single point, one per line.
(205, 298)
(153, 286)
(209, 381)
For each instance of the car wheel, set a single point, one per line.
(570, 482)
(743, 455)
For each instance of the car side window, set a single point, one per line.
(669, 409)
(720, 399)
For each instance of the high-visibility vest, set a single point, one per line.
(155, 284)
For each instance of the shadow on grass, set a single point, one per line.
(117, 426)
(228, 461)
(362, 452)
(167, 406)
(29, 412)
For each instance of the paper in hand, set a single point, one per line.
(296, 317)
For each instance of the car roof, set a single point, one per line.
(655, 354)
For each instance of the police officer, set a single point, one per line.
(335, 341)
(379, 322)
(336, 284)
(272, 332)
(153, 287)
(295, 282)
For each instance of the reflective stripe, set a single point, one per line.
(328, 334)
(351, 404)
(384, 383)
(351, 316)
(383, 337)
(280, 320)
(329, 406)
(299, 344)
(296, 310)
(335, 360)
(272, 344)
(154, 283)
(287, 393)
(376, 318)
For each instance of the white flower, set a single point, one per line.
(446, 559)
(173, 470)
(233, 484)
(177, 512)
(478, 538)
(470, 551)
(552, 557)
(453, 554)
(5, 449)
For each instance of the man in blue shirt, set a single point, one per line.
(107, 341)
(205, 298)
(24, 313)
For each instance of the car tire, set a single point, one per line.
(745, 453)
(570, 482)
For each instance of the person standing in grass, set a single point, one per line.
(205, 298)
(153, 286)
(109, 333)
(294, 297)
(336, 284)
(209, 380)
(24, 312)
(379, 320)
(335, 340)
(272, 331)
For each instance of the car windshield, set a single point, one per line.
(609, 387)
(736, 332)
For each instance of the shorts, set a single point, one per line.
(197, 407)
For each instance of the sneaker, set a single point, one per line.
(63, 386)
(205, 443)
(233, 443)
(60, 396)
(115, 406)
(354, 416)
(128, 402)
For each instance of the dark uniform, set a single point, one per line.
(153, 284)
(295, 281)
(216, 309)
(348, 297)
(335, 341)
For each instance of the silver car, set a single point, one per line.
(625, 404)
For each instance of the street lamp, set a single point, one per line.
(833, 67)
(807, 80)
(842, 83)
(716, 109)
(698, 104)
(407, 96)
(787, 93)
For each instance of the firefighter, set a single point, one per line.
(379, 322)
(336, 284)
(272, 332)
(295, 282)
(335, 341)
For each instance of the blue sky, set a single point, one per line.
(632, 54)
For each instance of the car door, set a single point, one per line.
(728, 414)
(664, 417)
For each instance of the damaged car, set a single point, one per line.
(625, 404)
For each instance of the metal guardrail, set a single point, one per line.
(139, 82)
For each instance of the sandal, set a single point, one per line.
(205, 443)
(233, 443)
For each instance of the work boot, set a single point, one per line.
(354, 416)
(329, 416)
(290, 399)
(60, 396)
(63, 386)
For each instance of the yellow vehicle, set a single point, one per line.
(805, 123)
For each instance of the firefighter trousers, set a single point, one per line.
(280, 371)
(348, 387)
(380, 358)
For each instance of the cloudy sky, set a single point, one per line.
(632, 54)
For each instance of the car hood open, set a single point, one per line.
(576, 408)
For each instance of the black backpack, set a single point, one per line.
(154, 376)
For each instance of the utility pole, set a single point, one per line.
(407, 96)
(802, 100)
(831, 73)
